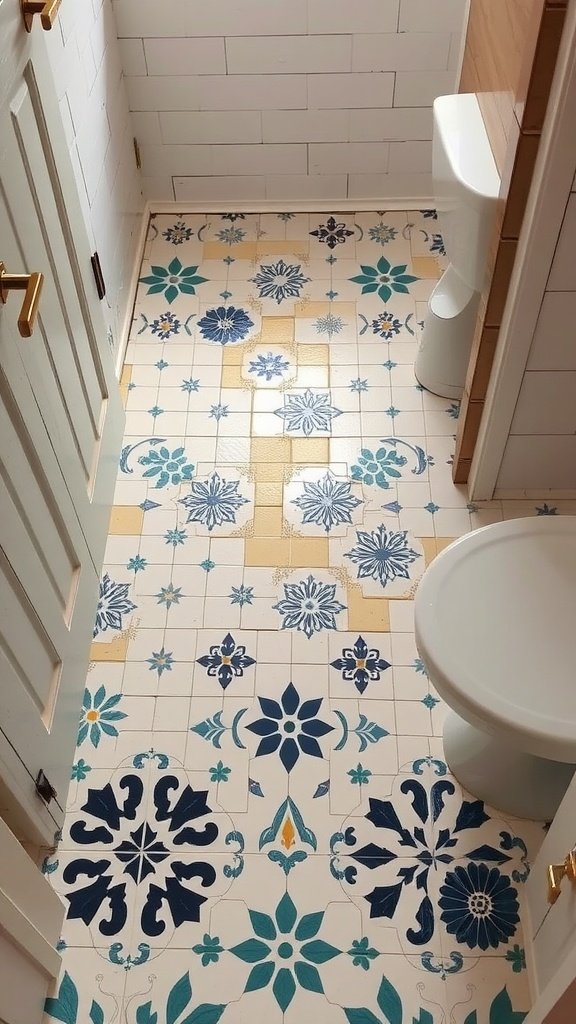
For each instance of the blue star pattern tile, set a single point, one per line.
(261, 824)
(280, 281)
(309, 412)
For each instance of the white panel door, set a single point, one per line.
(61, 425)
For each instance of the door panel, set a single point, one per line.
(61, 426)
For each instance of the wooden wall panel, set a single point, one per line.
(509, 61)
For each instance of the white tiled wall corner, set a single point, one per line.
(346, 87)
(541, 448)
(87, 64)
(553, 345)
(530, 459)
(546, 403)
(563, 273)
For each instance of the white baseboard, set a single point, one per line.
(293, 206)
(132, 288)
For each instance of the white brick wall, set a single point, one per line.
(87, 67)
(291, 99)
(541, 449)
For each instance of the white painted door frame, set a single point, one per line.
(551, 185)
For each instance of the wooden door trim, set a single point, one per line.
(551, 186)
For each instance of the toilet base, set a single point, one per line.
(507, 779)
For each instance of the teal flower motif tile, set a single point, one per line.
(285, 951)
(384, 279)
(173, 280)
(99, 713)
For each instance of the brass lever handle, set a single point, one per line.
(556, 872)
(47, 9)
(32, 285)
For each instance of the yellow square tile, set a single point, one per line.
(310, 449)
(344, 309)
(313, 355)
(126, 374)
(426, 267)
(268, 494)
(270, 449)
(430, 549)
(126, 519)
(113, 651)
(219, 251)
(311, 307)
(309, 552)
(278, 330)
(282, 248)
(269, 472)
(443, 542)
(272, 552)
(367, 613)
(233, 356)
(268, 521)
(232, 378)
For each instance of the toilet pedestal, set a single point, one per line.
(444, 350)
(505, 778)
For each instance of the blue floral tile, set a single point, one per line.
(279, 283)
(216, 503)
(306, 413)
(319, 503)
(309, 606)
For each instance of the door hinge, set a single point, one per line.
(137, 154)
(44, 788)
(98, 275)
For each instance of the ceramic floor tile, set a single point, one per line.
(261, 823)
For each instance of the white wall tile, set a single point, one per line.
(360, 16)
(167, 56)
(162, 160)
(305, 125)
(132, 56)
(148, 18)
(563, 273)
(146, 126)
(546, 403)
(420, 88)
(215, 126)
(318, 78)
(218, 92)
(410, 157)
(160, 188)
(288, 54)
(348, 157)
(554, 342)
(303, 186)
(220, 189)
(392, 123)
(85, 58)
(538, 462)
(351, 90)
(424, 16)
(267, 159)
(382, 186)
(411, 51)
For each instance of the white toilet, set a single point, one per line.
(466, 186)
(496, 629)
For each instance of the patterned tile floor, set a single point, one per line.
(261, 824)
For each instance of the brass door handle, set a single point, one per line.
(32, 285)
(47, 9)
(556, 872)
